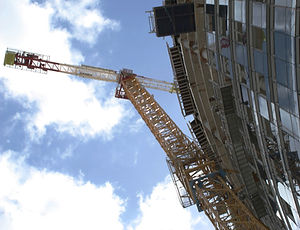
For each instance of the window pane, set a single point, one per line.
(223, 11)
(210, 22)
(286, 119)
(295, 125)
(258, 38)
(295, 146)
(283, 97)
(210, 9)
(245, 95)
(280, 19)
(259, 14)
(290, 21)
(292, 84)
(263, 107)
(241, 53)
(287, 3)
(280, 49)
(211, 41)
(290, 48)
(281, 74)
(223, 2)
(239, 11)
(258, 61)
(263, 85)
(293, 98)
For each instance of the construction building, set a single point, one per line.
(237, 67)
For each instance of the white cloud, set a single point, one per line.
(39, 199)
(86, 21)
(54, 99)
(137, 125)
(68, 152)
(35, 199)
(162, 210)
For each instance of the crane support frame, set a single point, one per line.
(198, 173)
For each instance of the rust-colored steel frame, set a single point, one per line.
(202, 180)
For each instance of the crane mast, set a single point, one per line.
(197, 176)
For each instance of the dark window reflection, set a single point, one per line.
(284, 46)
(283, 97)
(287, 99)
(281, 74)
(258, 38)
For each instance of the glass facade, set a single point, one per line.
(247, 94)
(253, 46)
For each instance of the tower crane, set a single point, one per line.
(198, 178)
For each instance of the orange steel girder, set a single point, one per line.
(204, 183)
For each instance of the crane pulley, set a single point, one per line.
(201, 180)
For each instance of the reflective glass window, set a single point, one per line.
(210, 9)
(285, 74)
(223, 27)
(258, 61)
(226, 65)
(292, 84)
(223, 2)
(258, 38)
(223, 10)
(295, 145)
(281, 74)
(225, 47)
(245, 95)
(243, 74)
(290, 48)
(263, 85)
(287, 3)
(284, 46)
(240, 32)
(241, 54)
(280, 19)
(211, 40)
(295, 125)
(210, 22)
(286, 119)
(239, 11)
(283, 96)
(287, 99)
(212, 58)
(294, 108)
(259, 14)
(290, 21)
(263, 107)
(280, 50)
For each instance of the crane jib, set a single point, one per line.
(41, 63)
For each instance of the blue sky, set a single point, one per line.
(71, 155)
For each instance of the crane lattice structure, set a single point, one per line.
(198, 178)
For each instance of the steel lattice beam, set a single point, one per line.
(199, 175)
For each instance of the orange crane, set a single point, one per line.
(198, 178)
